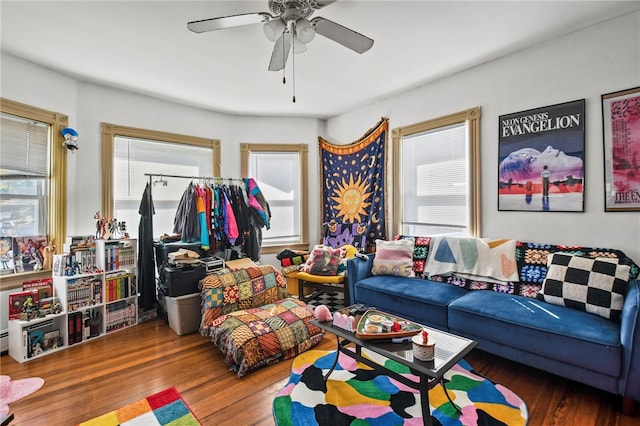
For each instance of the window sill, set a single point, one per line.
(8, 282)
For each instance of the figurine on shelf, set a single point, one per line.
(114, 229)
(30, 309)
(101, 226)
(122, 228)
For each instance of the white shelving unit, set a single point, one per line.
(94, 303)
(118, 260)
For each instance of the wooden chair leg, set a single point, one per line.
(301, 290)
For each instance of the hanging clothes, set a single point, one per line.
(202, 220)
(146, 264)
(186, 220)
(224, 218)
(261, 211)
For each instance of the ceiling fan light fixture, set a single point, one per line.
(304, 30)
(273, 29)
(298, 46)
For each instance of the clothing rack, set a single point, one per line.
(214, 178)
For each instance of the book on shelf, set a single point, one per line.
(40, 337)
(83, 291)
(28, 252)
(120, 286)
(7, 266)
(43, 286)
(80, 241)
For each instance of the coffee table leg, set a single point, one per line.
(335, 362)
(424, 400)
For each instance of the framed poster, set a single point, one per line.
(541, 159)
(621, 136)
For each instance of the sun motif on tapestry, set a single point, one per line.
(350, 198)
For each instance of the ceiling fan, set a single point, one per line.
(288, 25)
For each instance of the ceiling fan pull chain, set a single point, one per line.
(284, 76)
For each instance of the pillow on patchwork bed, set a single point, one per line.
(597, 285)
(394, 258)
(532, 259)
(227, 291)
(255, 337)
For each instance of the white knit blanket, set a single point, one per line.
(475, 258)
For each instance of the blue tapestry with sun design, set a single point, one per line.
(354, 181)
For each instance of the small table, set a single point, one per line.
(449, 350)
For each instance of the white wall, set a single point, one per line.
(586, 64)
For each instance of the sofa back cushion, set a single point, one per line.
(595, 285)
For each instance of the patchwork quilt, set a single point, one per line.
(254, 337)
(228, 291)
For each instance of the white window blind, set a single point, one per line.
(133, 158)
(25, 146)
(435, 181)
(278, 175)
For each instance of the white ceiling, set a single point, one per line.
(145, 47)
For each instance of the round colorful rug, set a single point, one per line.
(357, 395)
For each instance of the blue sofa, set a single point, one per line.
(564, 341)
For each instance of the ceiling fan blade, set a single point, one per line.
(280, 53)
(228, 22)
(342, 35)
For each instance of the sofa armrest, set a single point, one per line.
(357, 270)
(630, 340)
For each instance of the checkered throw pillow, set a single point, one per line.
(597, 285)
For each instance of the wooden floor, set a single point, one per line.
(91, 379)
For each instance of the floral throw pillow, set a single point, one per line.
(323, 260)
(394, 258)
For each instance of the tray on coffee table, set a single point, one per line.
(372, 321)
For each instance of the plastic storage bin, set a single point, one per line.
(183, 281)
(184, 313)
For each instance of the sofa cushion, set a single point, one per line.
(595, 285)
(394, 258)
(415, 299)
(532, 259)
(555, 332)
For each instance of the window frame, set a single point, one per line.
(109, 133)
(470, 117)
(302, 150)
(57, 183)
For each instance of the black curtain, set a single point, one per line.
(146, 263)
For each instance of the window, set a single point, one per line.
(437, 176)
(133, 153)
(32, 188)
(281, 174)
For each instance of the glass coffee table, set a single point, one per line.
(449, 350)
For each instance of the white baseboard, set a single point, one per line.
(4, 341)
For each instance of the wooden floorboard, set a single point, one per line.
(93, 378)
